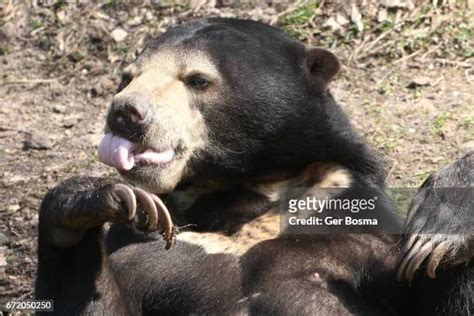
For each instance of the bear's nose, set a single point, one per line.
(127, 114)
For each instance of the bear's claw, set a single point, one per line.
(418, 249)
(155, 211)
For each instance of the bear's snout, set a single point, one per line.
(129, 115)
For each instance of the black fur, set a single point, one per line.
(289, 122)
(275, 117)
(442, 213)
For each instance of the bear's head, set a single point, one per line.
(225, 98)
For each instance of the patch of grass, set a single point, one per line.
(386, 25)
(61, 4)
(420, 177)
(5, 49)
(402, 197)
(75, 56)
(37, 23)
(122, 49)
(301, 14)
(463, 36)
(385, 89)
(111, 3)
(440, 121)
(351, 33)
(294, 22)
(467, 122)
(376, 110)
(416, 93)
(390, 143)
(93, 158)
(385, 143)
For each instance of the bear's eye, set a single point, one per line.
(197, 82)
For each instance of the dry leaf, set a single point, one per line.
(331, 22)
(382, 15)
(341, 19)
(61, 15)
(356, 18)
(407, 4)
(61, 42)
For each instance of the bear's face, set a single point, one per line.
(210, 98)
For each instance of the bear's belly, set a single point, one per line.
(205, 273)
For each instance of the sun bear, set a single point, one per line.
(216, 125)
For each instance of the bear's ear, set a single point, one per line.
(321, 64)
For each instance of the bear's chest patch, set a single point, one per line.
(263, 228)
(251, 215)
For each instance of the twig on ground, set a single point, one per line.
(387, 74)
(30, 81)
(36, 31)
(391, 169)
(435, 83)
(8, 129)
(405, 58)
(454, 62)
(431, 50)
(354, 55)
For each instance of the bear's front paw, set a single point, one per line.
(430, 250)
(440, 221)
(145, 210)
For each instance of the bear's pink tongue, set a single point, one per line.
(116, 152)
(121, 153)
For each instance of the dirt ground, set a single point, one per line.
(407, 84)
